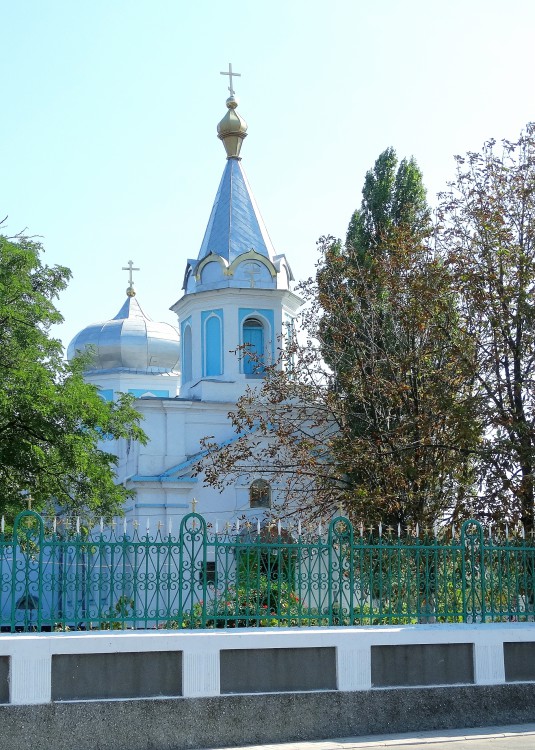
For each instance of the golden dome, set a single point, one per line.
(232, 129)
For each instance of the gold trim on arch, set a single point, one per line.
(252, 255)
(210, 258)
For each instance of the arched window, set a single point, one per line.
(212, 338)
(186, 355)
(253, 339)
(260, 494)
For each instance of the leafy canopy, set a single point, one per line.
(52, 423)
(389, 329)
(487, 239)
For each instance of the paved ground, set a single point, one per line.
(517, 737)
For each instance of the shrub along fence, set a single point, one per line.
(259, 575)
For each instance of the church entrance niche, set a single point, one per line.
(253, 340)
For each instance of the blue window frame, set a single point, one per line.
(253, 340)
(212, 337)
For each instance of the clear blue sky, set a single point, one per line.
(109, 109)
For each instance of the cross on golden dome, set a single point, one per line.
(230, 74)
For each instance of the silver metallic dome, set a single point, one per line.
(130, 341)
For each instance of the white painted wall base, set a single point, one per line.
(31, 654)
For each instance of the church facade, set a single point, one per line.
(236, 293)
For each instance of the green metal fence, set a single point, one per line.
(259, 575)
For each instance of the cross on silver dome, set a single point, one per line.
(131, 292)
(230, 74)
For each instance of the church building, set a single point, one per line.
(236, 293)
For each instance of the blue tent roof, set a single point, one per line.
(235, 225)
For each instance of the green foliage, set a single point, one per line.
(392, 196)
(52, 423)
(256, 602)
(406, 420)
(119, 615)
(488, 241)
(254, 563)
(387, 320)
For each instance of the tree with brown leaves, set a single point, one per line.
(370, 409)
(488, 241)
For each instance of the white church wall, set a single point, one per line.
(155, 427)
(128, 452)
(161, 385)
(164, 424)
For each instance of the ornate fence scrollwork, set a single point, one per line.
(473, 572)
(257, 575)
(28, 582)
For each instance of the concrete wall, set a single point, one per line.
(183, 724)
(423, 664)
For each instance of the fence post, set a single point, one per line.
(473, 570)
(340, 566)
(27, 547)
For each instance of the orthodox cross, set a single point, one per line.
(130, 268)
(194, 505)
(251, 270)
(230, 74)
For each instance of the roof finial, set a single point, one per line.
(232, 129)
(230, 74)
(130, 291)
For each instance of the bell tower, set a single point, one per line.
(237, 302)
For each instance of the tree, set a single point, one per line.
(488, 240)
(375, 410)
(52, 423)
(393, 204)
(392, 196)
(407, 397)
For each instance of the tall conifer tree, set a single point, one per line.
(407, 403)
